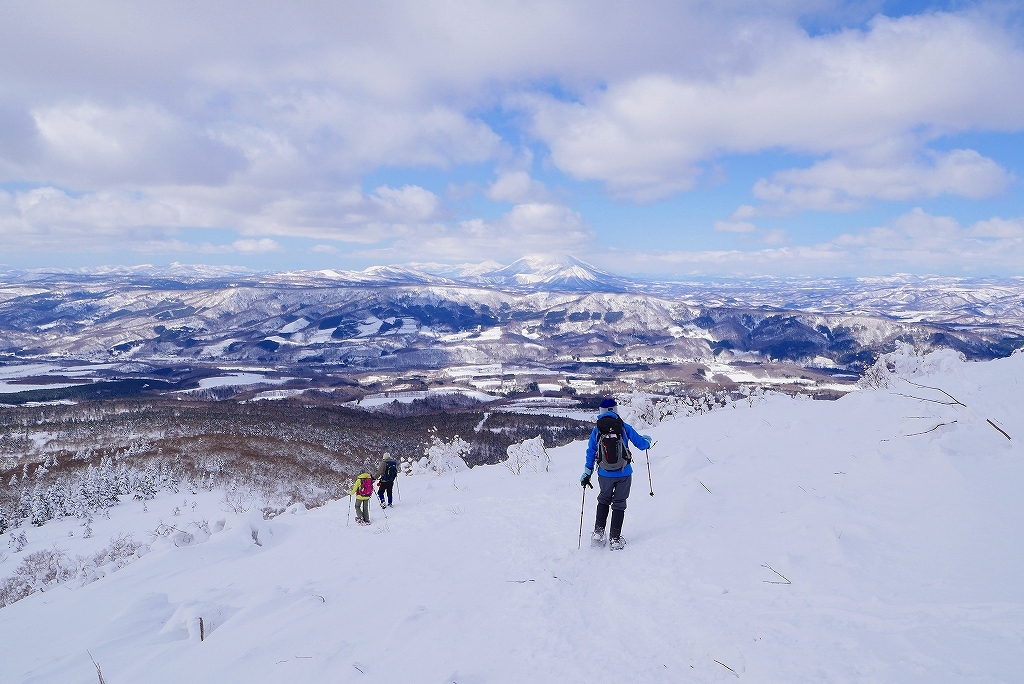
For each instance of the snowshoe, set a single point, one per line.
(617, 543)
(597, 538)
(383, 505)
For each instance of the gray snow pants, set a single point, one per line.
(614, 491)
(363, 510)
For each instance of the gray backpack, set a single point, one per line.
(612, 449)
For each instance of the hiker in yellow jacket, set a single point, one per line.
(362, 488)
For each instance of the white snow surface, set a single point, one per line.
(904, 552)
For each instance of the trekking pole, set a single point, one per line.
(398, 489)
(348, 512)
(649, 480)
(579, 545)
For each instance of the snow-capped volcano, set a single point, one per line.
(556, 273)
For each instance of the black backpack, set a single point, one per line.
(390, 471)
(612, 449)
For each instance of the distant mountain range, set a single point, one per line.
(535, 310)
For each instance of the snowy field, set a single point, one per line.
(877, 538)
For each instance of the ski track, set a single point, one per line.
(905, 556)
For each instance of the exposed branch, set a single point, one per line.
(931, 430)
(954, 402)
(938, 389)
(99, 672)
(765, 565)
(1001, 430)
(727, 667)
(934, 401)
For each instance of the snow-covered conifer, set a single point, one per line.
(40, 511)
(24, 505)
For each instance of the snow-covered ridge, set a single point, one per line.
(874, 538)
(535, 311)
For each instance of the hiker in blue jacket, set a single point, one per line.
(609, 448)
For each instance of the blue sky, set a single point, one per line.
(790, 137)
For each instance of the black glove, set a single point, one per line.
(585, 481)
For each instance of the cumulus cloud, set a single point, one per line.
(526, 228)
(517, 186)
(293, 120)
(86, 144)
(49, 218)
(924, 76)
(844, 184)
(256, 246)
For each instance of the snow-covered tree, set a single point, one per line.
(529, 456)
(444, 457)
(39, 509)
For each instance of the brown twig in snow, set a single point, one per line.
(705, 487)
(727, 667)
(955, 402)
(765, 565)
(1001, 430)
(939, 389)
(99, 672)
(931, 430)
(934, 401)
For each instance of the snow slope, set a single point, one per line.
(904, 552)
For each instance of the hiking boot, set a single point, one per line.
(597, 538)
(617, 543)
(383, 505)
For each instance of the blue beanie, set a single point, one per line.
(608, 403)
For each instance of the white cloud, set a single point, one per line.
(268, 120)
(256, 246)
(918, 76)
(914, 242)
(94, 145)
(517, 186)
(50, 218)
(735, 226)
(843, 184)
(527, 228)
(999, 228)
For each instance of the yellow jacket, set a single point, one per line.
(355, 486)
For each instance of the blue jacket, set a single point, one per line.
(630, 434)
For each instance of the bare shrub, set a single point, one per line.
(38, 570)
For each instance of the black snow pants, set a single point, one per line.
(385, 486)
(614, 492)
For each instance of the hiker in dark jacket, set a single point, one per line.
(386, 478)
(609, 449)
